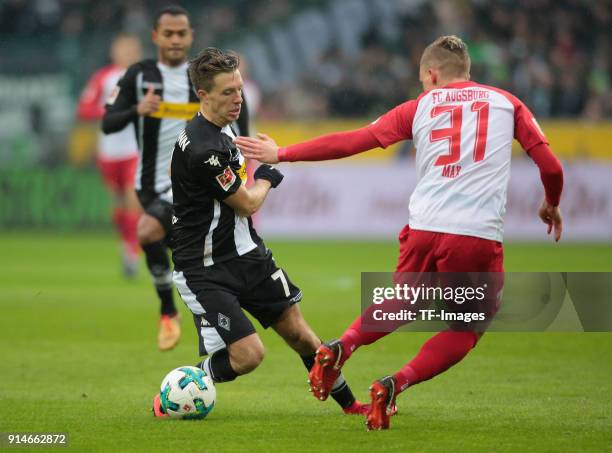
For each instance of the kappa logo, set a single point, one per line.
(226, 179)
(213, 161)
(204, 322)
(174, 219)
(224, 321)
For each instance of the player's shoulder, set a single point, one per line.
(515, 101)
(201, 137)
(203, 133)
(145, 65)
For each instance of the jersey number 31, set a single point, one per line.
(453, 133)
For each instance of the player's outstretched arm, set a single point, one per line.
(263, 148)
(325, 147)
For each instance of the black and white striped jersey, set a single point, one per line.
(207, 167)
(156, 133)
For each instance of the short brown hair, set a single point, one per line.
(210, 62)
(450, 55)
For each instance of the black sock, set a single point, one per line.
(341, 392)
(218, 367)
(159, 268)
(308, 360)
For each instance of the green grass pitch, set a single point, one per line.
(78, 355)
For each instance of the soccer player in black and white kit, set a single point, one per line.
(156, 96)
(221, 265)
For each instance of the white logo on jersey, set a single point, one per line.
(183, 140)
(537, 125)
(213, 161)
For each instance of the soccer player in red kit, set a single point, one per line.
(117, 153)
(462, 132)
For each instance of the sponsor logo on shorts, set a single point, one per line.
(226, 179)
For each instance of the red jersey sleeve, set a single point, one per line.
(90, 105)
(330, 146)
(551, 172)
(526, 129)
(395, 125)
(392, 127)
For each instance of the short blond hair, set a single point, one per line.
(449, 54)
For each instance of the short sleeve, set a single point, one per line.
(395, 125)
(213, 170)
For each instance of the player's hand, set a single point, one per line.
(150, 102)
(269, 173)
(551, 216)
(263, 148)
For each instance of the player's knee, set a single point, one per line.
(149, 230)
(247, 357)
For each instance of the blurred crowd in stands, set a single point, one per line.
(553, 54)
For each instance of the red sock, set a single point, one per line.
(118, 220)
(358, 335)
(437, 355)
(354, 337)
(130, 230)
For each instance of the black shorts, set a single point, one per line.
(217, 294)
(158, 205)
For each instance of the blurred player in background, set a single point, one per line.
(117, 153)
(155, 96)
(221, 264)
(463, 134)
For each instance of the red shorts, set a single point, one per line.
(429, 251)
(118, 175)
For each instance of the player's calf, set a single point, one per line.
(240, 357)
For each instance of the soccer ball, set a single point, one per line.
(187, 392)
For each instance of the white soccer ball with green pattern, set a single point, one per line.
(187, 392)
